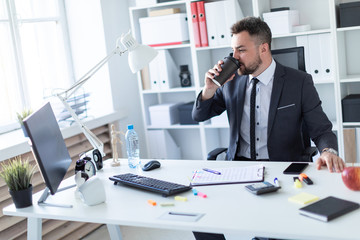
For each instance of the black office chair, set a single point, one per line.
(307, 155)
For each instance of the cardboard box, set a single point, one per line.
(164, 114)
(281, 22)
(162, 12)
(351, 108)
(164, 30)
(349, 14)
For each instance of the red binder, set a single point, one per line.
(202, 24)
(195, 23)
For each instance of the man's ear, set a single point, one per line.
(264, 47)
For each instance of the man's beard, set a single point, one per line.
(251, 68)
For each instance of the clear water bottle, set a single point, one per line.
(132, 147)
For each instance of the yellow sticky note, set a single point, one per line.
(303, 198)
(179, 198)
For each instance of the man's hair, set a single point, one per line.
(256, 27)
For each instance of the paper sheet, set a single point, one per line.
(247, 174)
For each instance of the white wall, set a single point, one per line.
(124, 85)
(88, 48)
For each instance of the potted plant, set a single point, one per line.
(18, 174)
(21, 116)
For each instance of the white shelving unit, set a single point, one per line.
(195, 141)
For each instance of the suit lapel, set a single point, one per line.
(241, 98)
(277, 89)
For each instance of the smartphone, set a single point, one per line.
(295, 168)
(262, 187)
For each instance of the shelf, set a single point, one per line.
(351, 124)
(200, 59)
(174, 126)
(344, 29)
(212, 48)
(350, 78)
(216, 126)
(323, 81)
(176, 46)
(157, 5)
(302, 33)
(172, 90)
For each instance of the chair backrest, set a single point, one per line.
(290, 57)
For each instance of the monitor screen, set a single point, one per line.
(290, 57)
(48, 146)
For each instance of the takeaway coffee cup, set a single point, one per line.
(229, 67)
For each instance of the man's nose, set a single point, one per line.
(236, 55)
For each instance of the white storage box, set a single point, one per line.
(164, 30)
(164, 114)
(281, 22)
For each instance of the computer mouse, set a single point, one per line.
(153, 164)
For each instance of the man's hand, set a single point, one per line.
(210, 87)
(332, 162)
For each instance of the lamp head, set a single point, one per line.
(139, 55)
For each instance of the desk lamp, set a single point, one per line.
(139, 56)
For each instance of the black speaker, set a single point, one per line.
(184, 75)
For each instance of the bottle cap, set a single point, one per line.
(129, 127)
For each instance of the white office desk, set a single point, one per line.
(228, 209)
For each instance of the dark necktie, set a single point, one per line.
(252, 119)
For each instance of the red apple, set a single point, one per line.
(351, 178)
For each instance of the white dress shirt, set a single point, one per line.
(263, 96)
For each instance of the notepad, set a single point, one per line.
(328, 208)
(303, 198)
(229, 175)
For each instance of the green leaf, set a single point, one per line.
(17, 173)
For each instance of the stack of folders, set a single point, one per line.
(163, 72)
(318, 61)
(212, 21)
(328, 208)
(199, 24)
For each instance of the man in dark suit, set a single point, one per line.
(284, 98)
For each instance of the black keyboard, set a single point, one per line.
(150, 184)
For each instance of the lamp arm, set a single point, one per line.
(92, 138)
(71, 90)
(63, 96)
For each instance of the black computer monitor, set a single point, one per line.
(48, 147)
(290, 57)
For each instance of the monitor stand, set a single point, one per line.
(46, 193)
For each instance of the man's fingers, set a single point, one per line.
(339, 165)
(330, 164)
(318, 163)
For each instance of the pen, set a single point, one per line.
(276, 181)
(182, 214)
(212, 171)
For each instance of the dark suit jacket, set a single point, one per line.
(294, 99)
